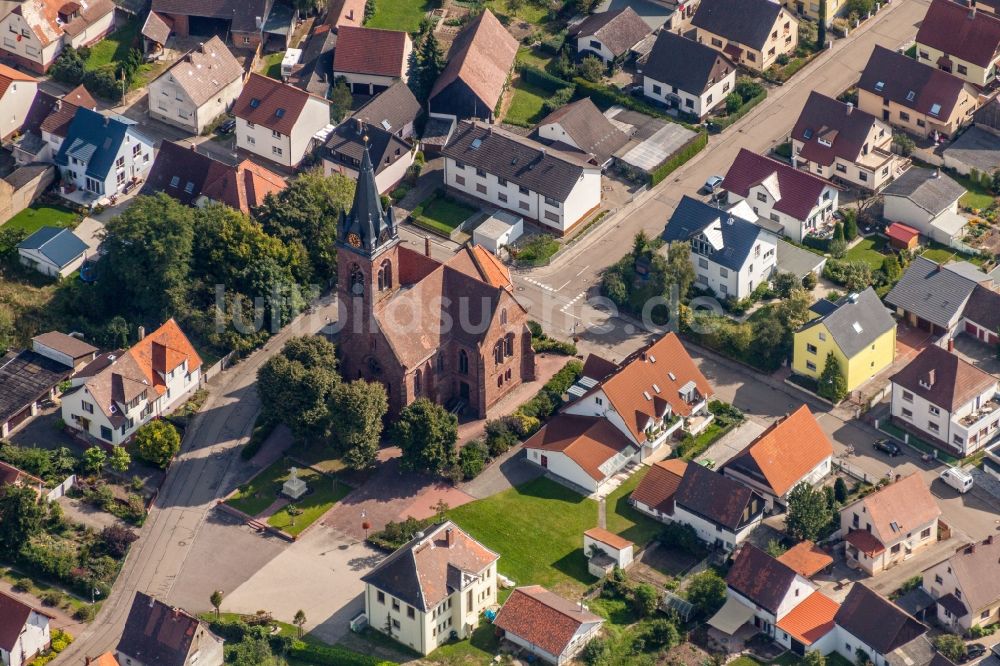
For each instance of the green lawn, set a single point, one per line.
(34, 218)
(868, 251)
(533, 57)
(941, 255)
(402, 15)
(270, 65)
(526, 11)
(441, 213)
(526, 105)
(538, 530)
(115, 46)
(478, 649)
(623, 519)
(977, 197)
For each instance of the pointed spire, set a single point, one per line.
(367, 221)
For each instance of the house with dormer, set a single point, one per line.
(35, 32)
(959, 40)
(965, 586)
(118, 392)
(156, 633)
(24, 631)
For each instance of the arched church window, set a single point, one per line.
(357, 280)
(498, 352)
(463, 362)
(417, 382)
(386, 273)
(508, 344)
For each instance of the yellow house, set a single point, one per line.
(858, 329)
(960, 40)
(752, 33)
(810, 9)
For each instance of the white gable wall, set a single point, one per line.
(14, 106)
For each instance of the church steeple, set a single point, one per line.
(367, 229)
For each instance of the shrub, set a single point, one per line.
(681, 157)
(733, 102)
(331, 655)
(809, 281)
(904, 143)
(52, 598)
(951, 646)
(682, 537)
(395, 535)
(645, 600)
(500, 436)
(840, 490)
(472, 459)
(262, 429)
(68, 67)
(117, 539)
(84, 613)
(596, 652)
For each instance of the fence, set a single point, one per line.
(62, 488)
(218, 366)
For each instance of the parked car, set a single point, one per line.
(888, 447)
(713, 183)
(228, 126)
(974, 651)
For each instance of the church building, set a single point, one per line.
(451, 332)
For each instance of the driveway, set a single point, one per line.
(89, 230)
(733, 442)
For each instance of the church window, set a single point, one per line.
(386, 273)
(373, 366)
(498, 352)
(357, 280)
(416, 383)
(499, 381)
(381, 280)
(463, 362)
(441, 362)
(508, 343)
(503, 317)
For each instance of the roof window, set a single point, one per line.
(476, 143)
(935, 109)
(645, 394)
(880, 85)
(910, 96)
(280, 113)
(808, 134)
(254, 103)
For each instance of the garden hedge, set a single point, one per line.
(693, 147)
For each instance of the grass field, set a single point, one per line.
(32, 219)
(533, 57)
(538, 530)
(479, 649)
(115, 46)
(441, 213)
(868, 251)
(526, 11)
(270, 65)
(526, 107)
(263, 490)
(402, 15)
(977, 197)
(623, 519)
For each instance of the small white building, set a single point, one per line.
(289, 61)
(926, 200)
(24, 631)
(546, 625)
(609, 35)
(277, 121)
(53, 251)
(17, 92)
(685, 75)
(498, 230)
(606, 550)
(198, 88)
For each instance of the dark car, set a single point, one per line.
(228, 126)
(974, 651)
(888, 447)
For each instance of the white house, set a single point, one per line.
(799, 202)
(555, 188)
(102, 155)
(869, 623)
(116, 397)
(721, 511)
(367, 75)
(24, 631)
(686, 75)
(17, 92)
(36, 31)
(965, 586)
(609, 35)
(53, 251)
(926, 200)
(581, 125)
(941, 397)
(731, 254)
(198, 88)
(277, 121)
(546, 625)
(436, 585)
(390, 155)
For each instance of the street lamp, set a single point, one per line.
(94, 593)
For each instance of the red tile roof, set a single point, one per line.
(900, 232)
(480, 263)
(657, 488)
(589, 441)
(345, 13)
(864, 541)
(482, 56)
(960, 31)
(9, 75)
(542, 618)
(806, 558)
(799, 190)
(277, 106)
(810, 620)
(242, 187)
(609, 538)
(370, 51)
(14, 476)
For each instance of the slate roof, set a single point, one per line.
(543, 618)
(955, 382)
(799, 190)
(59, 245)
(272, 104)
(983, 308)
(392, 109)
(857, 322)
(845, 127)
(931, 190)
(713, 496)
(205, 71)
(422, 573)
(977, 147)
(25, 377)
(736, 235)
(370, 51)
(957, 31)
(346, 146)
(522, 161)
(876, 621)
(14, 614)
(155, 633)
(589, 441)
(618, 30)
(589, 129)
(481, 56)
(658, 487)
(899, 507)
(95, 139)
(747, 22)
(759, 577)
(242, 13)
(900, 75)
(934, 292)
(157, 27)
(678, 61)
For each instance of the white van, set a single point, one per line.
(957, 478)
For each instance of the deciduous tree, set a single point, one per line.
(21, 516)
(426, 433)
(94, 460)
(707, 591)
(120, 459)
(356, 412)
(158, 442)
(808, 513)
(296, 385)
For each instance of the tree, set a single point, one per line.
(216, 600)
(809, 281)
(748, 88)
(840, 490)
(951, 646)
(662, 633)
(356, 412)
(300, 619)
(94, 460)
(850, 224)
(821, 35)
(117, 539)
(733, 102)
(808, 513)
(645, 599)
(340, 99)
(592, 68)
(832, 383)
(775, 548)
(904, 143)
(472, 459)
(296, 386)
(21, 516)
(120, 460)
(785, 283)
(891, 269)
(995, 182)
(426, 433)
(69, 67)
(158, 442)
(707, 591)
(251, 651)
(679, 269)
(428, 63)
(814, 658)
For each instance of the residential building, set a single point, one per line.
(965, 586)
(927, 200)
(243, 20)
(479, 65)
(117, 394)
(941, 397)
(198, 88)
(343, 152)
(609, 35)
(16, 477)
(314, 72)
(977, 149)
(156, 633)
(870, 624)
(801, 203)
(277, 121)
(70, 350)
(937, 298)
(53, 251)
(655, 493)
(722, 512)
(792, 451)
(752, 33)
(102, 155)
(396, 111)
(390, 336)
(556, 188)
(436, 585)
(624, 414)
(686, 75)
(582, 127)
(24, 631)
(731, 255)
(36, 31)
(810, 9)
(546, 625)
(857, 329)
(807, 559)
(243, 187)
(371, 59)
(47, 123)
(889, 525)
(837, 141)
(17, 92)
(914, 97)
(957, 39)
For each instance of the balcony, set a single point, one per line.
(875, 159)
(985, 410)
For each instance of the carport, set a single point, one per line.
(731, 617)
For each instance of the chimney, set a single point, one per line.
(972, 13)
(989, 541)
(935, 173)
(931, 376)
(850, 108)
(58, 104)
(427, 246)
(86, 661)
(449, 535)
(142, 329)
(359, 125)
(729, 220)
(971, 549)
(898, 477)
